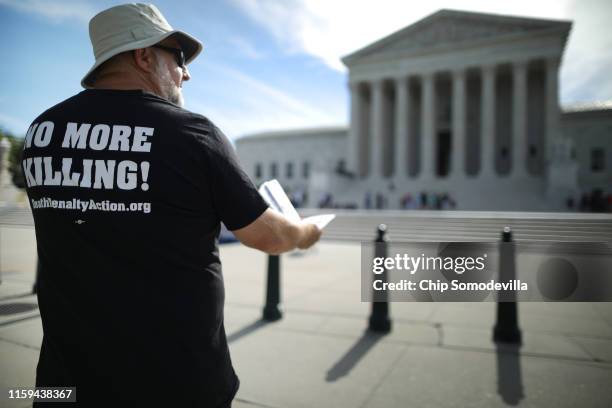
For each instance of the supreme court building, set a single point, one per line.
(461, 103)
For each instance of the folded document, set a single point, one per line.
(276, 198)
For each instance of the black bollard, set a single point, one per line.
(506, 328)
(272, 310)
(379, 319)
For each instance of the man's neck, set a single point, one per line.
(124, 81)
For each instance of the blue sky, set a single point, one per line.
(267, 64)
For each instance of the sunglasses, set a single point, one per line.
(179, 55)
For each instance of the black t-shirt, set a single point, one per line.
(128, 192)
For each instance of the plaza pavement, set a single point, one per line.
(320, 355)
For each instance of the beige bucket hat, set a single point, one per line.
(130, 27)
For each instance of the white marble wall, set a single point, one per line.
(506, 133)
(495, 99)
(590, 130)
(322, 149)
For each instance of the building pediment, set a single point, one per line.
(449, 28)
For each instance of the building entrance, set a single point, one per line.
(444, 153)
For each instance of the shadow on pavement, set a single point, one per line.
(16, 308)
(352, 357)
(250, 328)
(509, 376)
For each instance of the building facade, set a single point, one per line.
(300, 160)
(463, 104)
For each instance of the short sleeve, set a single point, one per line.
(234, 196)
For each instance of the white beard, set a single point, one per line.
(176, 96)
(170, 91)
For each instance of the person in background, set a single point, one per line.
(424, 203)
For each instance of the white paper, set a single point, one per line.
(276, 198)
(320, 221)
(274, 194)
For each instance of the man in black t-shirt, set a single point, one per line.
(128, 190)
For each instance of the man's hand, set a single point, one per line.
(310, 235)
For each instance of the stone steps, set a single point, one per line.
(421, 226)
(438, 226)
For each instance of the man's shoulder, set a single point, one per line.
(193, 119)
(149, 105)
(138, 108)
(55, 109)
(199, 126)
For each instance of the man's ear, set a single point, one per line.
(145, 59)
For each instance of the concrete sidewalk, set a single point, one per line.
(319, 354)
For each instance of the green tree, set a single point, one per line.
(14, 158)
